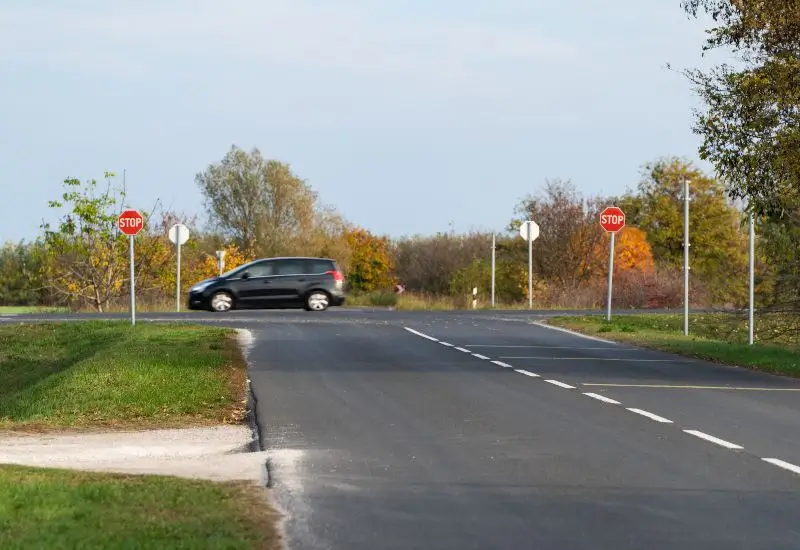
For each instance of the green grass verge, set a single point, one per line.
(45, 508)
(95, 374)
(715, 337)
(22, 310)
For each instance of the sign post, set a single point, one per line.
(131, 222)
(221, 260)
(178, 235)
(529, 231)
(612, 220)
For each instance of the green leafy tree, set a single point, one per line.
(259, 202)
(751, 122)
(718, 253)
(85, 250)
(22, 274)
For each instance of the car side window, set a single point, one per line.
(290, 267)
(261, 269)
(315, 267)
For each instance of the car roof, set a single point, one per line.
(296, 258)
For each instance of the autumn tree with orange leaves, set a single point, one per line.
(371, 261)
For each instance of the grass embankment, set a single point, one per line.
(109, 374)
(715, 337)
(43, 508)
(112, 375)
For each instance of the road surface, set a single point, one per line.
(392, 430)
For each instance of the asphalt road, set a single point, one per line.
(391, 430)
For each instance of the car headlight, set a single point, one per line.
(200, 288)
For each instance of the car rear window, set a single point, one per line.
(319, 266)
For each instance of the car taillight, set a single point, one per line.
(336, 275)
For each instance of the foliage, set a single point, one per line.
(85, 252)
(260, 203)
(632, 252)
(718, 253)
(427, 264)
(371, 262)
(751, 123)
(21, 274)
(570, 233)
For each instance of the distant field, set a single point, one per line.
(715, 337)
(110, 374)
(44, 508)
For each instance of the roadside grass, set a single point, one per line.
(414, 301)
(23, 310)
(715, 337)
(108, 374)
(48, 508)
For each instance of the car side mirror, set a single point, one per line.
(245, 275)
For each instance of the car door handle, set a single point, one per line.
(301, 280)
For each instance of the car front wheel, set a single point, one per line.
(317, 301)
(221, 301)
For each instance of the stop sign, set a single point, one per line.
(130, 222)
(612, 219)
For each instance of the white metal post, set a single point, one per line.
(610, 276)
(494, 244)
(133, 284)
(751, 320)
(178, 272)
(686, 257)
(530, 266)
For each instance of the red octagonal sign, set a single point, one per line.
(612, 219)
(130, 222)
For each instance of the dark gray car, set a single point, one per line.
(311, 283)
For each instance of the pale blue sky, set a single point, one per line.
(404, 115)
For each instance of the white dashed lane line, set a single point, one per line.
(560, 384)
(721, 442)
(712, 439)
(783, 464)
(651, 416)
(412, 331)
(527, 373)
(603, 398)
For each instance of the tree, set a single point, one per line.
(85, 252)
(427, 264)
(751, 123)
(21, 274)
(260, 203)
(371, 262)
(570, 233)
(718, 245)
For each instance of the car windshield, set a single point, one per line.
(236, 270)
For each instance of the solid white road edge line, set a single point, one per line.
(527, 373)
(501, 364)
(651, 416)
(573, 333)
(603, 398)
(448, 344)
(431, 338)
(560, 384)
(713, 439)
(782, 464)
(462, 349)
(479, 356)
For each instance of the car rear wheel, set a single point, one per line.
(317, 300)
(221, 301)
